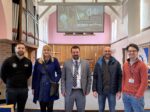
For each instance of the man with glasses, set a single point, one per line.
(134, 81)
(107, 80)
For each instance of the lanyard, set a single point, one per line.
(131, 70)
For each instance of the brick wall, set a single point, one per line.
(5, 51)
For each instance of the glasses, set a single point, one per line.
(107, 51)
(132, 51)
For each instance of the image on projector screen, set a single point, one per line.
(85, 18)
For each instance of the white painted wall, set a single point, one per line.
(122, 24)
(145, 14)
(139, 38)
(117, 49)
(43, 34)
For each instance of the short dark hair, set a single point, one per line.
(133, 45)
(75, 47)
(19, 43)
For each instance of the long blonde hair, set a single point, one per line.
(41, 60)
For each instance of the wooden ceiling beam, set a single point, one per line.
(41, 15)
(78, 3)
(118, 1)
(114, 10)
(41, 1)
(124, 1)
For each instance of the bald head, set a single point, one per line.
(107, 52)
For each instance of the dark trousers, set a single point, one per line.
(17, 96)
(47, 106)
(111, 101)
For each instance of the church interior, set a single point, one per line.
(64, 23)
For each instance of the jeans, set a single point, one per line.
(111, 101)
(17, 96)
(132, 104)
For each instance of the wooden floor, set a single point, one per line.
(76, 111)
(73, 111)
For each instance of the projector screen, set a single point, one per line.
(80, 18)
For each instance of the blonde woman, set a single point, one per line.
(46, 68)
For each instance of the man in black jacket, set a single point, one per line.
(15, 73)
(107, 80)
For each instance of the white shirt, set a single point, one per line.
(79, 74)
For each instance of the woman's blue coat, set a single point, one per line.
(54, 72)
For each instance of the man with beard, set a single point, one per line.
(75, 81)
(15, 73)
(107, 80)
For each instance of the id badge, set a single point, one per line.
(131, 80)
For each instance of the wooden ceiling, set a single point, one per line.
(46, 7)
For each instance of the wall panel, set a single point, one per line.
(88, 52)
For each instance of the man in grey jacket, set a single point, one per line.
(75, 81)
